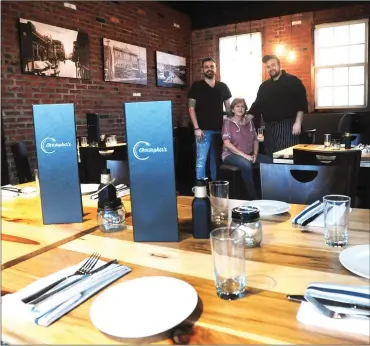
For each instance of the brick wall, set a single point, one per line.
(205, 42)
(147, 24)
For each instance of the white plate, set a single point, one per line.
(89, 188)
(267, 207)
(357, 260)
(143, 307)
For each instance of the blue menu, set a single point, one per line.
(56, 148)
(149, 135)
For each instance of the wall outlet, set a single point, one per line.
(72, 6)
(136, 94)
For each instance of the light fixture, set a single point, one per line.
(291, 55)
(236, 38)
(250, 38)
(280, 47)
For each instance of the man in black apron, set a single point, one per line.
(282, 102)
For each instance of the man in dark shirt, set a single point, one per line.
(206, 100)
(282, 102)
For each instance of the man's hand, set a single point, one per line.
(199, 135)
(296, 128)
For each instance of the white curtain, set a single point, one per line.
(241, 68)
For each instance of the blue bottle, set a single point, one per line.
(201, 211)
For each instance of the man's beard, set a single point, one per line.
(209, 74)
(274, 73)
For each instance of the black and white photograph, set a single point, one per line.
(171, 70)
(124, 63)
(51, 51)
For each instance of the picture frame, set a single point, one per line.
(171, 70)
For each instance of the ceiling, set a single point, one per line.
(206, 14)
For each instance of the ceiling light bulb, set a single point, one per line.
(291, 55)
(280, 49)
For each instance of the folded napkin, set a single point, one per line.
(314, 209)
(122, 190)
(308, 314)
(10, 191)
(49, 310)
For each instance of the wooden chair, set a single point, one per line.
(349, 162)
(303, 184)
(22, 164)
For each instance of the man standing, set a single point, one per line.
(206, 100)
(282, 102)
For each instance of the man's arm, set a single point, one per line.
(197, 131)
(301, 102)
(256, 109)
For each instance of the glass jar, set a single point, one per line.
(111, 219)
(247, 219)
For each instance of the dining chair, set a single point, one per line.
(349, 162)
(303, 184)
(21, 162)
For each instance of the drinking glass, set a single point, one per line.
(84, 142)
(336, 144)
(336, 220)
(36, 174)
(228, 253)
(260, 135)
(113, 140)
(327, 140)
(219, 197)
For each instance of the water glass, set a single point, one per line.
(84, 142)
(36, 174)
(219, 197)
(228, 253)
(113, 140)
(260, 136)
(336, 220)
(327, 140)
(336, 144)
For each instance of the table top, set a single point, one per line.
(287, 261)
(24, 235)
(288, 152)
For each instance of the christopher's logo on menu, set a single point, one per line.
(142, 150)
(49, 145)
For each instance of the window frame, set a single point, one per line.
(365, 64)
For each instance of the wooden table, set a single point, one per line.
(24, 235)
(286, 155)
(286, 263)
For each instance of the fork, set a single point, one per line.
(83, 270)
(330, 313)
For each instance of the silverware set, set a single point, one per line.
(87, 269)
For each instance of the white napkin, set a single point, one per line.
(311, 210)
(308, 314)
(11, 194)
(122, 190)
(51, 309)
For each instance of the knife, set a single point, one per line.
(50, 293)
(301, 298)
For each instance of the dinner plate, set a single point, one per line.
(357, 260)
(268, 207)
(89, 188)
(143, 307)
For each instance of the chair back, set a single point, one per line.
(120, 171)
(308, 137)
(303, 184)
(22, 164)
(217, 144)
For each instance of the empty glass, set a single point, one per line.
(219, 197)
(36, 174)
(327, 140)
(84, 142)
(228, 246)
(336, 220)
(260, 136)
(113, 140)
(336, 144)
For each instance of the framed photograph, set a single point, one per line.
(124, 63)
(171, 70)
(51, 51)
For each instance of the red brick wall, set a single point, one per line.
(205, 42)
(147, 24)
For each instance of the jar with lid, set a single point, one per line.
(247, 219)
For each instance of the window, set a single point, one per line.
(240, 64)
(341, 65)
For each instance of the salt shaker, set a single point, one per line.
(247, 219)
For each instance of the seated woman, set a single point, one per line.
(241, 145)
